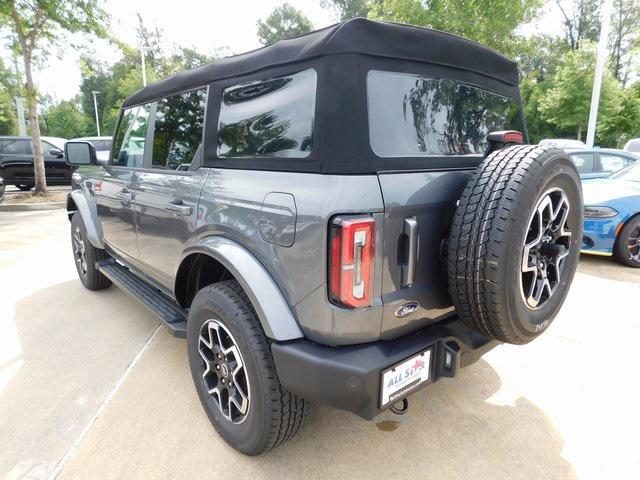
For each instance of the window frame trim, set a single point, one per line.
(308, 164)
(147, 165)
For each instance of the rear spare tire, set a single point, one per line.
(515, 242)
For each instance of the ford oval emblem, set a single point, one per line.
(406, 309)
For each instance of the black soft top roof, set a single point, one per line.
(360, 36)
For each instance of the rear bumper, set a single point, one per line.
(348, 378)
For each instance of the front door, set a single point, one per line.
(166, 195)
(115, 188)
(56, 169)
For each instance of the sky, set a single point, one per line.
(204, 25)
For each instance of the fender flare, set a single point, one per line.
(272, 309)
(89, 216)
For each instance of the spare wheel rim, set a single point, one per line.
(545, 249)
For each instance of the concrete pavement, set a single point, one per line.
(564, 406)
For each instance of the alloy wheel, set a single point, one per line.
(545, 249)
(79, 250)
(633, 244)
(225, 374)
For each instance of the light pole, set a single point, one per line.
(144, 68)
(597, 78)
(95, 108)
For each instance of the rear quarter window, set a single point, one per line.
(415, 116)
(268, 118)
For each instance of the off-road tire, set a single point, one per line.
(91, 278)
(275, 415)
(620, 249)
(486, 244)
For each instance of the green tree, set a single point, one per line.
(39, 24)
(566, 104)
(581, 20)
(284, 22)
(8, 122)
(625, 34)
(66, 120)
(615, 129)
(492, 22)
(346, 9)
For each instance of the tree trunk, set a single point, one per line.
(580, 131)
(32, 101)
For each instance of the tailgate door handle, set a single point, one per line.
(178, 208)
(410, 229)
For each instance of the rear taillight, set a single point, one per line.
(351, 257)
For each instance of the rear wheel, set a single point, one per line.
(24, 187)
(514, 243)
(234, 372)
(627, 246)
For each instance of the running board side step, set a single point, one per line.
(172, 315)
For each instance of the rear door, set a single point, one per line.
(17, 161)
(166, 199)
(445, 123)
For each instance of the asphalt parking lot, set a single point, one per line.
(90, 387)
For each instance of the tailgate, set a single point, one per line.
(418, 211)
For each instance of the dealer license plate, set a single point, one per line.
(405, 377)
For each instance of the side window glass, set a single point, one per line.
(583, 162)
(272, 117)
(15, 147)
(613, 163)
(130, 138)
(178, 130)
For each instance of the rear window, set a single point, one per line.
(268, 118)
(15, 146)
(583, 162)
(178, 130)
(414, 116)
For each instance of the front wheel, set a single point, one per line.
(86, 256)
(627, 247)
(234, 372)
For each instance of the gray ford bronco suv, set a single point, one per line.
(338, 219)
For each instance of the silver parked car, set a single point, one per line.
(632, 145)
(359, 218)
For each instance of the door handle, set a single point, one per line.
(178, 208)
(410, 229)
(125, 195)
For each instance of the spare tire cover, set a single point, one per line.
(515, 242)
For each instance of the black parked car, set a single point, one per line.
(16, 161)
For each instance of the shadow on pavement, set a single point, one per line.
(64, 349)
(608, 268)
(156, 428)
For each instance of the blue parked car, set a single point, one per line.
(612, 216)
(600, 162)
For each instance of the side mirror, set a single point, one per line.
(56, 152)
(80, 153)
